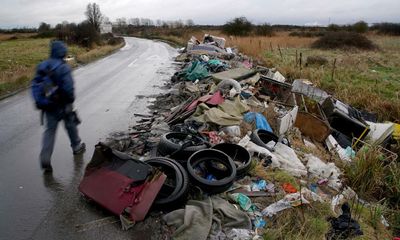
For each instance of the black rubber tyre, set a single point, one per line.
(238, 154)
(178, 174)
(219, 185)
(261, 137)
(166, 147)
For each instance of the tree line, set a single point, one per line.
(241, 26)
(87, 32)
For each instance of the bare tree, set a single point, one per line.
(44, 27)
(121, 22)
(136, 21)
(146, 22)
(165, 24)
(178, 24)
(94, 16)
(189, 23)
(106, 20)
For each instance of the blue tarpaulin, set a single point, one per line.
(259, 119)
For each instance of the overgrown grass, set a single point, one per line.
(96, 53)
(18, 59)
(276, 176)
(305, 222)
(365, 79)
(374, 177)
(370, 219)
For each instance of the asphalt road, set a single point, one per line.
(37, 206)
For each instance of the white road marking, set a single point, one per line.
(133, 62)
(126, 47)
(153, 57)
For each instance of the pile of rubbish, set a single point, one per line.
(194, 156)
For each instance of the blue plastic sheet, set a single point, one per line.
(260, 185)
(260, 120)
(259, 222)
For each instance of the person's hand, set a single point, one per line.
(68, 108)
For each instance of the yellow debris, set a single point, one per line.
(396, 132)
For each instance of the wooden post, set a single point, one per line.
(280, 52)
(296, 58)
(300, 59)
(301, 201)
(259, 44)
(270, 45)
(333, 69)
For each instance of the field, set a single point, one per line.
(368, 80)
(20, 55)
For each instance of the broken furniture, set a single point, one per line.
(124, 186)
(345, 119)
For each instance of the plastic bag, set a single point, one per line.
(243, 200)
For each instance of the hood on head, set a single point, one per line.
(58, 49)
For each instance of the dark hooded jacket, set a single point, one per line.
(61, 73)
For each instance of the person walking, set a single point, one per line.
(53, 92)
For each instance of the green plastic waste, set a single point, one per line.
(243, 200)
(196, 71)
(215, 62)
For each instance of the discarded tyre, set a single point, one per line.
(211, 170)
(175, 188)
(239, 155)
(261, 137)
(179, 146)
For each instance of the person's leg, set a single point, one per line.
(72, 130)
(49, 135)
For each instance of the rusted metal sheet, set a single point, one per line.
(313, 127)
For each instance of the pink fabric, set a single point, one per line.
(213, 136)
(247, 64)
(214, 99)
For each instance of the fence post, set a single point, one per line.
(300, 59)
(333, 69)
(280, 52)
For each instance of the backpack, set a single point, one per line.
(44, 87)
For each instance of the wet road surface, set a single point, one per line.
(37, 206)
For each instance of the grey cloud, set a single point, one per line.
(32, 12)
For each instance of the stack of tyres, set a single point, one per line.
(180, 146)
(239, 155)
(175, 189)
(211, 170)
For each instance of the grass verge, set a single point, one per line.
(19, 57)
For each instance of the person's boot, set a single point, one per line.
(46, 166)
(80, 149)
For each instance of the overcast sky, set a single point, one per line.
(19, 13)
